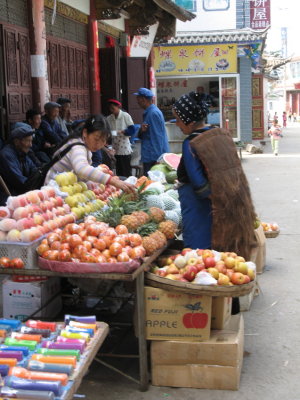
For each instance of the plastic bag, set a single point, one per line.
(157, 176)
(132, 180)
(204, 278)
(251, 265)
(159, 187)
(217, 255)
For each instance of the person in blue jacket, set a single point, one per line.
(153, 133)
(51, 129)
(194, 190)
(16, 166)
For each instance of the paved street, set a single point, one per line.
(272, 342)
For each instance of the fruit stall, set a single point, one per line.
(86, 230)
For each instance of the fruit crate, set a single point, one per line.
(25, 251)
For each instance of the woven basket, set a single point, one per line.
(271, 234)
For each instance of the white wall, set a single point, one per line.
(116, 23)
(81, 5)
(210, 20)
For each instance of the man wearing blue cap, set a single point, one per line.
(51, 129)
(16, 166)
(153, 131)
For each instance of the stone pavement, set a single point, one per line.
(272, 327)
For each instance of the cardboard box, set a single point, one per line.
(220, 311)
(20, 300)
(246, 301)
(258, 255)
(176, 316)
(213, 364)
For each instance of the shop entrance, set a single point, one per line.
(221, 92)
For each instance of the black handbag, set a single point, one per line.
(37, 179)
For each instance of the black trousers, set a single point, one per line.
(123, 166)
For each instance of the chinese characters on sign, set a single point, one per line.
(195, 60)
(260, 14)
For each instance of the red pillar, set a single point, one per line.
(38, 53)
(94, 62)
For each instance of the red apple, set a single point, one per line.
(200, 266)
(237, 278)
(209, 262)
(186, 250)
(190, 273)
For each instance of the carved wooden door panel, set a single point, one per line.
(16, 55)
(69, 75)
(257, 107)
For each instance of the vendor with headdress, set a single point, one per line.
(215, 198)
(122, 128)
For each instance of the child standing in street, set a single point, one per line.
(276, 133)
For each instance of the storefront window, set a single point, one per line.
(216, 5)
(229, 105)
(190, 5)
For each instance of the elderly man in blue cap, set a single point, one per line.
(153, 131)
(51, 129)
(16, 166)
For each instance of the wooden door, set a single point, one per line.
(68, 74)
(257, 107)
(134, 75)
(110, 72)
(16, 54)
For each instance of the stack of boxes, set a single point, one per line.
(196, 343)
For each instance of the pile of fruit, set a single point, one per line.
(82, 197)
(33, 214)
(92, 242)
(196, 266)
(270, 227)
(16, 263)
(152, 223)
(168, 166)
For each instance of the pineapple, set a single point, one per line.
(168, 228)
(142, 217)
(160, 238)
(147, 229)
(131, 222)
(157, 214)
(150, 245)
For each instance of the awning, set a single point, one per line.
(140, 14)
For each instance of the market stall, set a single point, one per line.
(82, 230)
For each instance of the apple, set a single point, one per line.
(223, 280)
(207, 253)
(185, 251)
(172, 269)
(199, 252)
(200, 266)
(251, 274)
(190, 273)
(247, 279)
(241, 259)
(214, 272)
(162, 273)
(221, 268)
(229, 272)
(192, 261)
(171, 276)
(229, 262)
(238, 278)
(209, 262)
(241, 267)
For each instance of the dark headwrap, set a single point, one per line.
(191, 107)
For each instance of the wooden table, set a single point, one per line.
(137, 276)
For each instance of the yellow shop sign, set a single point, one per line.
(195, 59)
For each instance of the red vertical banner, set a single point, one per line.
(94, 60)
(260, 14)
